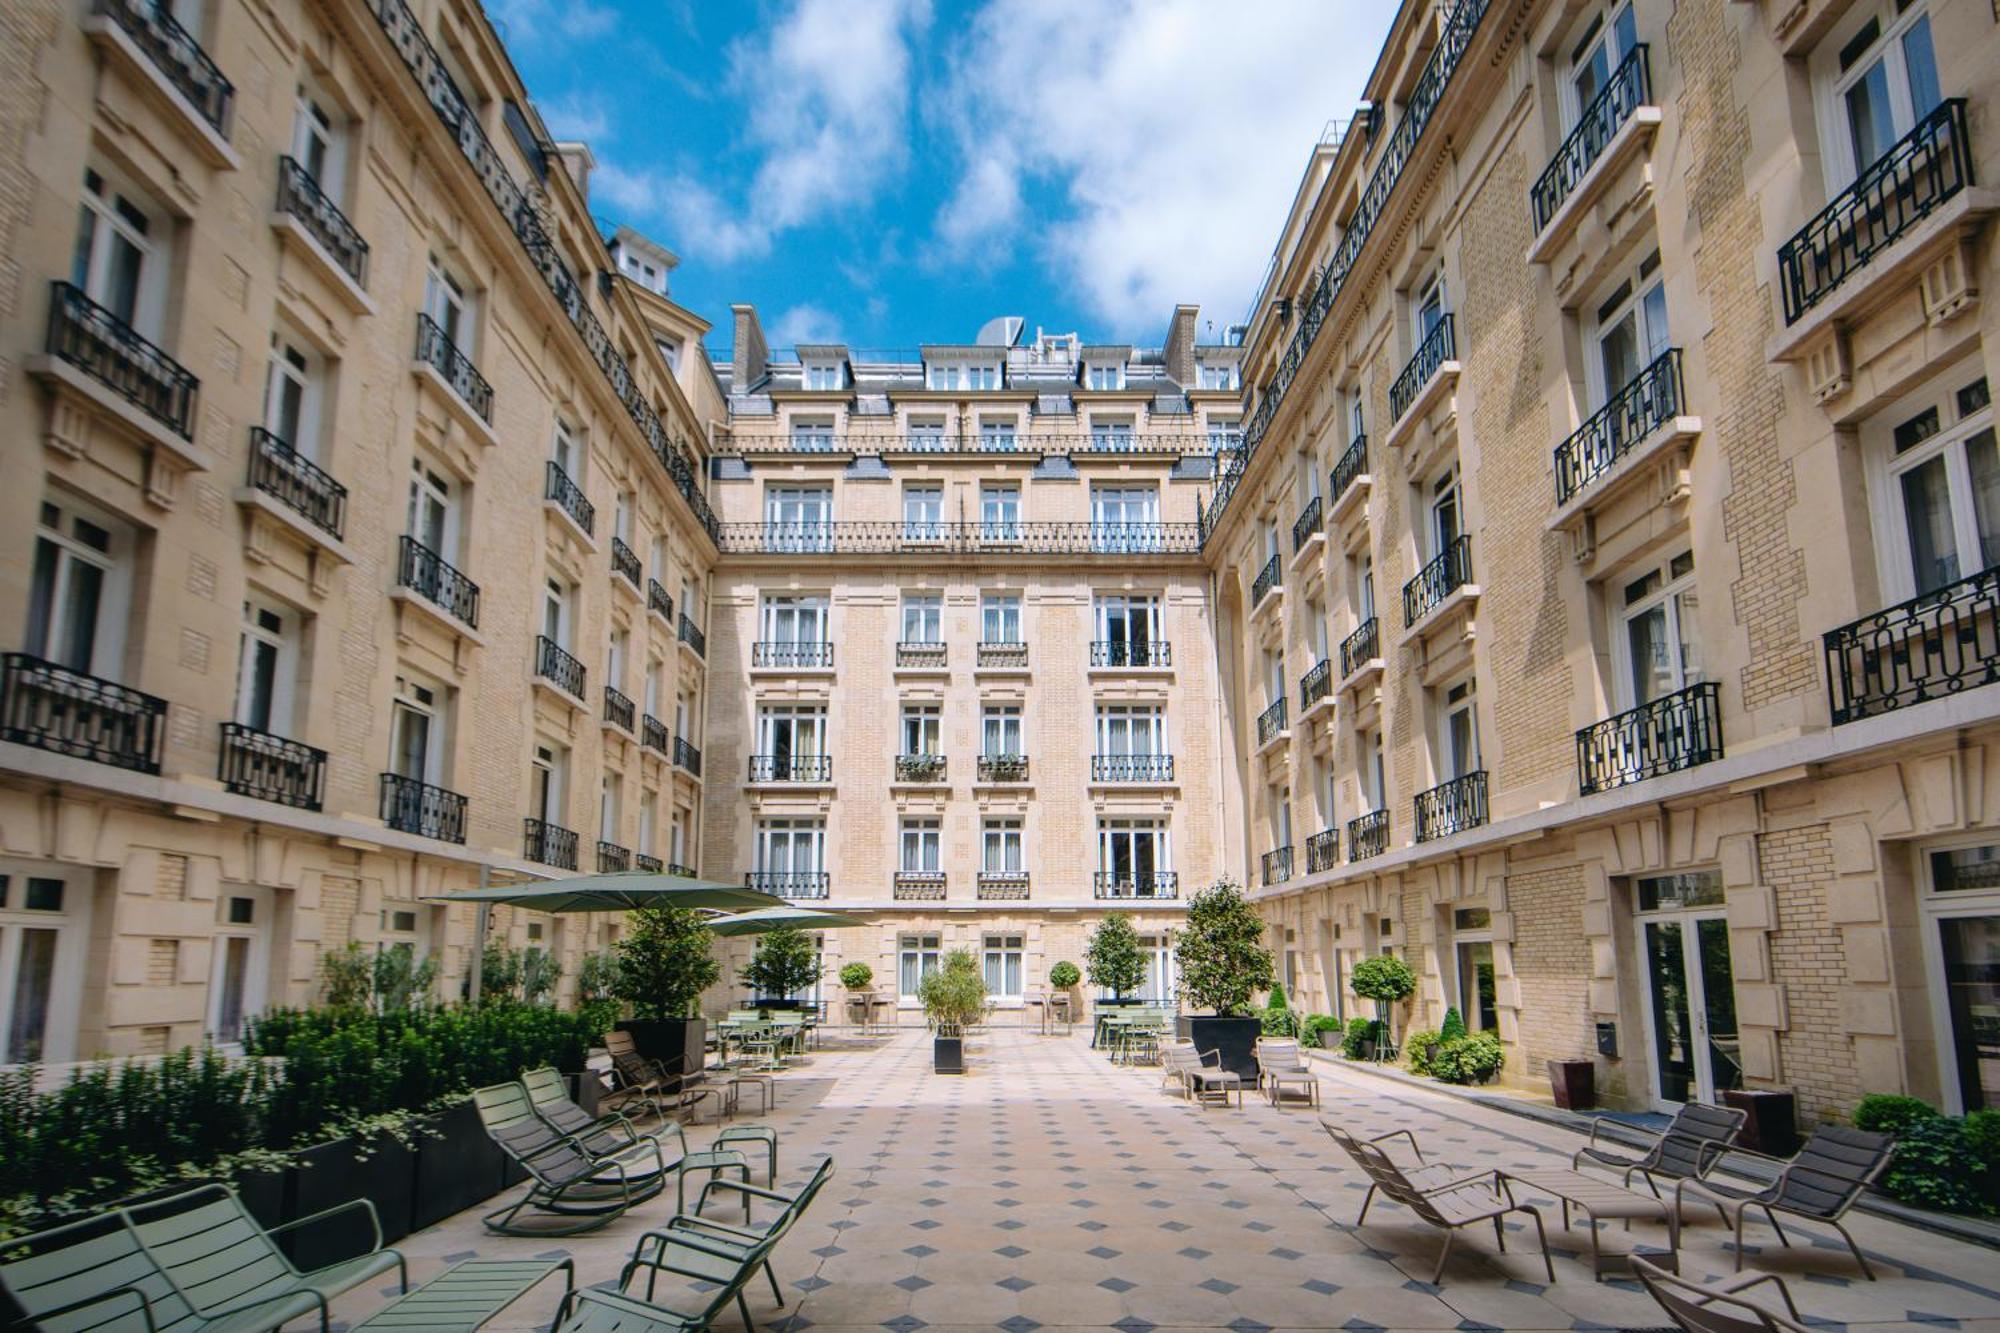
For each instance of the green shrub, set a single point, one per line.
(665, 962)
(1220, 952)
(1064, 975)
(1112, 958)
(954, 995)
(1473, 1058)
(1936, 1166)
(1453, 1025)
(1383, 978)
(1315, 1024)
(1419, 1049)
(1891, 1113)
(1982, 1131)
(350, 976)
(1279, 1023)
(857, 976)
(786, 962)
(1361, 1032)
(1277, 1000)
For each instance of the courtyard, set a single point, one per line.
(1050, 1188)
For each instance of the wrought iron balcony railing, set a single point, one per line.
(658, 602)
(1317, 685)
(692, 636)
(919, 885)
(1629, 88)
(67, 712)
(1275, 866)
(1272, 722)
(1452, 807)
(456, 368)
(557, 667)
(1650, 401)
(84, 334)
(624, 563)
(647, 865)
(1003, 768)
(410, 806)
(569, 497)
(1438, 347)
(270, 768)
(1323, 850)
(550, 844)
(791, 768)
(930, 537)
(1002, 653)
(1136, 884)
(177, 55)
(868, 443)
(791, 656)
(1941, 643)
(1131, 768)
(618, 709)
(1352, 464)
(1437, 580)
(1921, 171)
(676, 868)
(788, 883)
(922, 654)
(1131, 653)
(687, 756)
(653, 734)
(424, 572)
(1361, 647)
(1003, 885)
(611, 858)
(277, 470)
(920, 768)
(1663, 735)
(1367, 835)
(299, 196)
(1306, 525)
(1269, 577)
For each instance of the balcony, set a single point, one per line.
(1664, 735)
(1437, 581)
(1323, 850)
(550, 844)
(676, 868)
(791, 768)
(1922, 171)
(410, 806)
(1136, 884)
(1435, 357)
(1316, 687)
(1629, 88)
(1939, 644)
(1307, 525)
(930, 538)
(97, 352)
(687, 756)
(785, 655)
(919, 886)
(424, 572)
(613, 859)
(270, 768)
(619, 711)
(922, 656)
(1001, 655)
(1361, 649)
(52, 708)
(1275, 866)
(788, 883)
(1269, 579)
(1003, 768)
(277, 470)
(647, 865)
(568, 498)
(1349, 473)
(1149, 653)
(1367, 835)
(658, 602)
(1636, 413)
(1452, 807)
(653, 734)
(1131, 768)
(330, 238)
(1002, 886)
(558, 668)
(692, 636)
(146, 38)
(1273, 723)
(438, 353)
(625, 564)
(920, 768)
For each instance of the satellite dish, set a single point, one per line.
(1001, 331)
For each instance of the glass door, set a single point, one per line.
(1690, 988)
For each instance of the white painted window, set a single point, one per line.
(923, 618)
(616, 650)
(1162, 970)
(1105, 377)
(292, 383)
(416, 732)
(922, 847)
(434, 509)
(44, 931)
(1447, 520)
(998, 436)
(1875, 76)
(266, 665)
(796, 518)
(558, 603)
(319, 142)
(795, 618)
(610, 806)
(1000, 731)
(791, 846)
(1429, 308)
(548, 783)
(1000, 847)
(670, 348)
(1001, 958)
(1937, 484)
(1628, 328)
(1130, 853)
(240, 966)
(446, 303)
(923, 513)
(649, 821)
(999, 512)
(1125, 620)
(1000, 618)
(787, 731)
(678, 843)
(1131, 729)
(1111, 435)
(1658, 649)
(917, 956)
(80, 589)
(656, 688)
(1458, 730)
(1125, 518)
(1361, 588)
(812, 435)
(923, 729)
(1607, 39)
(120, 260)
(824, 376)
(1374, 787)
(1216, 376)
(927, 435)
(1225, 437)
(1961, 915)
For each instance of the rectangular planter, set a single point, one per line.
(679, 1044)
(948, 1055)
(330, 1174)
(1573, 1084)
(455, 1171)
(1234, 1040)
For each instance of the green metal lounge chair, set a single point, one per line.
(580, 1190)
(750, 1238)
(609, 1135)
(729, 1268)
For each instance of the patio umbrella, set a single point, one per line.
(764, 919)
(621, 891)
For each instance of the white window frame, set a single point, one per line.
(1612, 29)
(1678, 595)
(917, 954)
(449, 304)
(67, 551)
(1134, 831)
(823, 376)
(791, 846)
(558, 611)
(999, 434)
(923, 618)
(1637, 293)
(1124, 611)
(999, 511)
(256, 934)
(267, 627)
(433, 514)
(112, 211)
(1933, 908)
(803, 727)
(796, 618)
(1886, 469)
(1003, 954)
(923, 512)
(1831, 84)
(418, 703)
(548, 783)
(71, 924)
(920, 844)
(319, 141)
(1131, 729)
(1000, 618)
(1001, 731)
(1457, 706)
(812, 435)
(292, 380)
(922, 729)
(1002, 845)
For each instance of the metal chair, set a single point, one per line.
(1687, 1147)
(1821, 1183)
(1720, 1307)
(1450, 1207)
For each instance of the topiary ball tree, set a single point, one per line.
(785, 962)
(666, 962)
(857, 976)
(1220, 952)
(1384, 979)
(1064, 975)
(1112, 960)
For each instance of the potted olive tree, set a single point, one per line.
(954, 998)
(785, 963)
(1223, 964)
(665, 962)
(1387, 980)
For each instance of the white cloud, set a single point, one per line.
(576, 115)
(539, 21)
(804, 324)
(1176, 133)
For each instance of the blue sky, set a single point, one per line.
(894, 172)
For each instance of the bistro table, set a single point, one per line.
(1596, 1198)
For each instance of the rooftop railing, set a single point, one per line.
(932, 537)
(1030, 444)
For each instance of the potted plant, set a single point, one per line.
(785, 963)
(1223, 964)
(1112, 959)
(1386, 980)
(1064, 976)
(664, 964)
(954, 998)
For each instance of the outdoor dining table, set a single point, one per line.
(1596, 1198)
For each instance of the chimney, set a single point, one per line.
(752, 356)
(1180, 344)
(578, 161)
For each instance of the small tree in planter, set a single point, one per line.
(785, 962)
(954, 998)
(1064, 976)
(1112, 959)
(1223, 964)
(664, 965)
(858, 977)
(1386, 980)
(400, 981)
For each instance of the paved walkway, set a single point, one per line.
(1048, 1188)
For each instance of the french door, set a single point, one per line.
(1690, 988)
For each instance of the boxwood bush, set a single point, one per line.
(1941, 1161)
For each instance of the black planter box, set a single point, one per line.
(679, 1044)
(331, 1174)
(1234, 1040)
(1573, 1084)
(948, 1055)
(783, 1006)
(263, 1194)
(457, 1169)
(1772, 1126)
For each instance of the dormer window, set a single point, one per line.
(825, 375)
(1217, 377)
(1105, 377)
(955, 377)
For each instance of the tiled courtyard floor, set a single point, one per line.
(1048, 1188)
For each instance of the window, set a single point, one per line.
(649, 820)
(796, 518)
(922, 729)
(657, 564)
(1429, 308)
(923, 513)
(1355, 419)
(1105, 377)
(921, 849)
(1001, 956)
(1876, 76)
(266, 665)
(1629, 330)
(670, 348)
(416, 733)
(434, 506)
(319, 142)
(1361, 587)
(291, 395)
(1162, 972)
(1130, 854)
(557, 600)
(812, 435)
(1216, 377)
(927, 435)
(1458, 732)
(77, 600)
(824, 376)
(1961, 903)
(1472, 936)
(445, 303)
(795, 619)
(118, 261)
(678, 842)
(610, 806)
(916, 958)
(1596, 57)
(788, 731)
(548, 776)
(1225, 437)
(923, 618)
(1000, 618)
(621, 516)
(951, 377)
(1659, 650)
(656, 688)
(1129, 729)
(997, 436)
(791, 846)
(1000, 847)
(1000, 731)
(240, 960)
(1113, 435)
(1446, 520)
(999, 512)
(1938, 491)
(1129, 625)
(1125, 518)
(1368, 752)
(43, 929)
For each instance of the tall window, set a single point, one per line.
(922, 850)
(796, 518)
(291, 395)
(922, 729)
(1000, 618)
(1000, 731)
(1000, 847)
(610, 806)
(923, 618)
(1660, 649)
(812, 435)
(241, 960)
(557, 600)
(416, 732)
(433, 514)
(649, 820)
(1373, 777)
(1131, 729)
(916, 958)
(788, 731)
(1604, 45)
(791, 846)
(1130, 625)
(42, 930)
(997, 436)
(80, 587)
(795, 618)
(1878, 77)
(318, 142)
(679, 844)
(1001, 958)
(923, 513)
(1130, 853)
(1630, 328)
(1478, 993)
(1361, 588)
(445, 303)
(119, 260)
(1942, 481)
(656, 688)
(1458, 732)
(1446, 519)
(548, 775)
(1125, 518)
(266, 665)
(999, 512)
(1113, 434)
(1429, 309)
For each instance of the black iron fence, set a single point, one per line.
(1437, 580)
(1361, 647)
(1275, 866)
(650, 865)
(611, 858)
(1349, 469)
(1269, 577)
(277, 470)
(410, 806)
(1663, 735)
(624, 563)
(456, 368)
(1317, 684)
(791, 656)
(1636, 410)
(1438, 347)
(653, 734)
(558, 667)
(424, 571)
(1136, 884)
(1003, 768)
(791, 768)
(692, 636)
(618, 709)
(1452, 807)
(1629, 88)
(270, 768)
(300, 196)
(1941, 643)
(67, 712)
(1368, 835)
(177, 55)
(1272, 721)
(920, 768)
(687, 756)
(84, 334)
(1306, 524)
(788, 883)
(1131, 653)
(550, 844)
(568, 496)
(657, 600)
(1323, 851)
